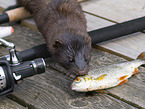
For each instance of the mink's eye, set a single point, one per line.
(71, 60)
(87, 59)
(77, 80)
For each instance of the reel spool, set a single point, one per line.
(6, 78)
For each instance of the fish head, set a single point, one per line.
(82, 84)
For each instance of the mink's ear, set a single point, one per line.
(57, 44)
(89, 39)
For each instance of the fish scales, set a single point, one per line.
(106, 77)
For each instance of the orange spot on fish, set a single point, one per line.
(101, 77)
(136, 71)
(122, 82)
(123, 77)
(12, 30)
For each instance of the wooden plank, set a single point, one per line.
(117, 47)
(95, 22)
(6, 103)
(103, 60)
(116, 10)
(92, 23)
(6, 3)
(29, 22)
(133, 90)
(128, 47)
(46, 90)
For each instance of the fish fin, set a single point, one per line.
(123, 77)
(141, 56)
(136, 71)
(101, 77)
(122, 82)
(101, 91)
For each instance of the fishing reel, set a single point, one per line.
(18, 65)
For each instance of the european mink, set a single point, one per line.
(63, 25)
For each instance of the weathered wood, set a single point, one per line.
(99, 8)
(131, 48)
(92, 23)
(133, 91)
(29, 23)
(116, 10)
(38, 91)
(6, 3)
(95, 22)
(6, 103)
(128, 47)
(52, 89)
(123, 10)
(45, 92)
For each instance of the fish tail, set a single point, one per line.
(141, 56)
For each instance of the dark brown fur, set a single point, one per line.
(63, 25)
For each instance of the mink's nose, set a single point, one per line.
(82, 72)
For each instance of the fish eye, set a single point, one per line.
(77, 80)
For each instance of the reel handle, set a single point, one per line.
(10, 74)
(29, 68)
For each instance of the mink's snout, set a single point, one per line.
(82, 72)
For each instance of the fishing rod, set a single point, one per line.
(18, 65)
(117, 30)
(99, 35)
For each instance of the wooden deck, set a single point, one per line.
(52, 89)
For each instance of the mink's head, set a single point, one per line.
(73, 53)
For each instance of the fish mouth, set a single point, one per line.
(78, 89)
(72, 87)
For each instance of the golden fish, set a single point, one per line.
(107, 77)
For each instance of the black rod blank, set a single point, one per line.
(97, 36)
(109, 32)
(4, 18)
(117, 30)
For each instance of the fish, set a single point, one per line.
(6, 31)
(108, 76)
